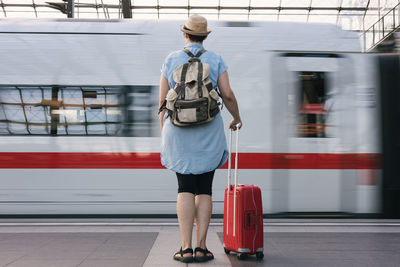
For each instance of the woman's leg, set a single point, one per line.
(203, 203)
(185, 208)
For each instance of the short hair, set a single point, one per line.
(196, 38)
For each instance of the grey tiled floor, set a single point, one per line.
(113, 243)
(75, 249)
(327, 249)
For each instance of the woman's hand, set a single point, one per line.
(235, 124)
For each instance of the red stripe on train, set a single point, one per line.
(69, 160)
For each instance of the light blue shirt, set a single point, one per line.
(200, 148)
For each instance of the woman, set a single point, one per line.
(194, 152)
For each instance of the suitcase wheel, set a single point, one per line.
(227, 251)
(259, 255)
(241, 256)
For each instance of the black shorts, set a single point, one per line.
(199, 184)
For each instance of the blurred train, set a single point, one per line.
(80, 134)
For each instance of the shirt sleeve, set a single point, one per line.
(164, 69)
(221, 66)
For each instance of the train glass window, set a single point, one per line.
(139, 110)
(74, 110)
(21, 112)
(311, 109)
(84, 111)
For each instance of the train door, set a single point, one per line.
(319, 119)
(389, 68)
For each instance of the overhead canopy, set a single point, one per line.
(349, 14)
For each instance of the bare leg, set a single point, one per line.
(203, 215)
(185, 207)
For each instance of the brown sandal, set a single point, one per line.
(178, 256)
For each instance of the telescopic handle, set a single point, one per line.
(230, 157)
(229, 179)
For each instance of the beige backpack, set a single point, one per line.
(193, 100)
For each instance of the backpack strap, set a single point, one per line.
(200, 53)
(190, 54)
(180, 90)
(209, 86)
(200, 79)
(163, 106)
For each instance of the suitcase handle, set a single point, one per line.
(230, 157)
(229, 177)
(251, 220)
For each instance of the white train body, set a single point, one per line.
(264, 63)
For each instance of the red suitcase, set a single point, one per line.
(243, 221)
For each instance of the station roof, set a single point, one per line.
(349, 14)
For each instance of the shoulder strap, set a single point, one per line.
(200, 53)
(190, 54)
(163, 106)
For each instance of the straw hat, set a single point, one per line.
(196, 25)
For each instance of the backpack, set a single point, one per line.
(193, 100)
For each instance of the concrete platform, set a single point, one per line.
(152, 242)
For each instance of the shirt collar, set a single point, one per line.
(194, 45)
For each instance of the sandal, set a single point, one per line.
(205, 257)
(178, 256)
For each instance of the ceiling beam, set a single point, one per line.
(127, 9)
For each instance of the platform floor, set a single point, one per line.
(152, 242)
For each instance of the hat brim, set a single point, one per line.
(194, 32)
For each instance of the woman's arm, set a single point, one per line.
(164, 87)
(230, 100)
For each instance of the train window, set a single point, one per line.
(311, 109)
(77, 110)
(139, 110)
